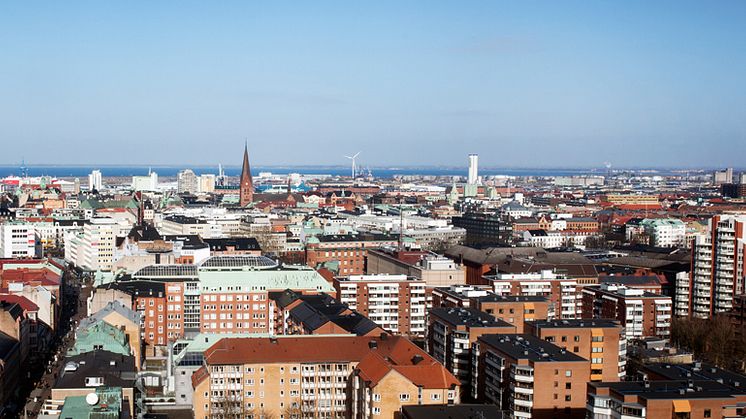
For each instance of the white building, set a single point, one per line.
(717, 269)
(206, 183)
(473, 169)
(145, 183)
(95, 181)
(723, 176)
(17, 240)
(187, 182)
(665, 232)
(93, 249)
(397, 303)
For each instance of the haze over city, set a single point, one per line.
(541, 84)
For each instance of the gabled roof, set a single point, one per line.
(112, 307)
(24, 302)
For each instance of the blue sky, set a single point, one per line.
(524, 84)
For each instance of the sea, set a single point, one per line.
(381, 172)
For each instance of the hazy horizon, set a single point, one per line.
(530, 85)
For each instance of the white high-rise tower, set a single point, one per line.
(473, 169)
(95, 181)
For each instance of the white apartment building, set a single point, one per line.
(664, 232)
(93, 249)
(397, 303)
(17, 240)
(95, 181)
(145, 183)
(718, 268)
(187, 182)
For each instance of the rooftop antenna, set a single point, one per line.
(353, 163)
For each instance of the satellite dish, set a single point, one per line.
(91, 399)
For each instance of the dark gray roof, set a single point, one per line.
(111, 307)
(697, 371)
(117, 370)
(468, 317)
(670, 389)
(529, 347)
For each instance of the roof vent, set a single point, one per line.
(372, 344)
(417, 359)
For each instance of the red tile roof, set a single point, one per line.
(22, 301)
(392, 353)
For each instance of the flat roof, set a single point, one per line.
(524, 346)
(575, 323)
(468, 317)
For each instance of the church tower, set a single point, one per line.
(247, 186)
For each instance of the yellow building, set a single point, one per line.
(318, 376)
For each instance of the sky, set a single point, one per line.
(523, 84)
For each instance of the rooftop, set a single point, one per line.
(575, 323)
(469, 317)
(532, 348)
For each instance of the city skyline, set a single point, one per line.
(571, 85)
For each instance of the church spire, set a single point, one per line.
(247, 185)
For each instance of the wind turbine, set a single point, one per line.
(353, 163)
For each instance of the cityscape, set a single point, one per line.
(420, 211)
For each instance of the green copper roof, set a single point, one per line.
(100, 335)
(109, 405)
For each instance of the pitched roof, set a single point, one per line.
(24, 302)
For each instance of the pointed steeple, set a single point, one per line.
(247, 184)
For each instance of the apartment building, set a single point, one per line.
(451, 333)
(457, 295)
(692, 399)
(643, 314)
(529, 377)
(319, 376)
(717, 273)
(599, 341)
(435, 270)
(397, 303)
(664, 232)
(93, 249)
(349, 251)
(564, 293)
(514, 309)
(317, 314)
(224, 294)
(17, 240)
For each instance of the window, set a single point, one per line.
(376, 411)
(435, 396)
(376, 397)
(575, 349)
(568, 386)
(568, 373)
(404, 397)
(708, 413)
(597, 350)
(576, 338)
(564, 338)
(568, 398)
